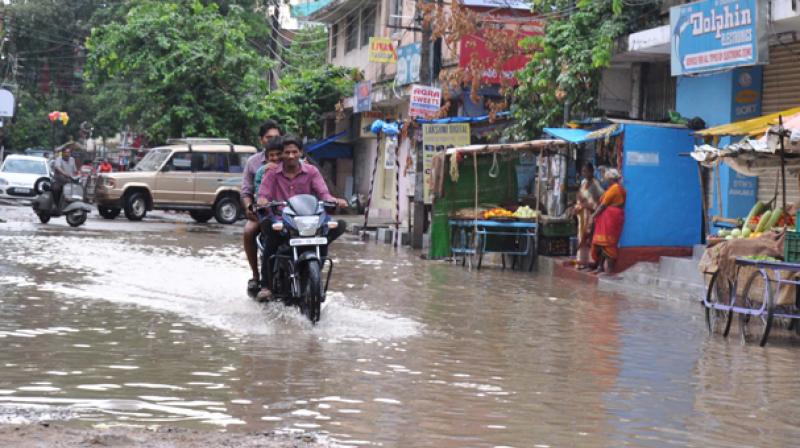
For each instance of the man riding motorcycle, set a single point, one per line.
(268, 131)
(64, 170)
(290, 178)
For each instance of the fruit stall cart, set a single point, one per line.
(753, 263)
(477, 206)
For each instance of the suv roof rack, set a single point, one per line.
(199, 141)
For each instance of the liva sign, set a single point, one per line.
(713, 35)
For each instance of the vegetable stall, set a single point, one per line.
(752, 262)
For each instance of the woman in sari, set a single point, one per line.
(589, 194)
(608, 219)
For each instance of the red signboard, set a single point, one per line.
(474, 47)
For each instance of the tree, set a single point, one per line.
(567, 61)
(304, 95)
(307, 50)
(179, 68)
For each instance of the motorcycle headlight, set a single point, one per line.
(307, 225)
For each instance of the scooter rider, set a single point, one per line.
(268, 131)
(288, 179)
(64, 170)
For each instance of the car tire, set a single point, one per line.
(226, 210)
(136, 206)
(108, 212)
(201, 216)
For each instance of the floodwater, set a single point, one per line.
(119, 323)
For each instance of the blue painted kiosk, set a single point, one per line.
(663, 210)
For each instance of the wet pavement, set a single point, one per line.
(120, 323)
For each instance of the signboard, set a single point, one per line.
(473, 47)
(381, 49)
(363, 97)
(425, 101)
(6, 103)
(747, 92)
(390, 152)
(717, 34)
(409, 60)
(437, 138)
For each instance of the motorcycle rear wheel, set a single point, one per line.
(312, 291)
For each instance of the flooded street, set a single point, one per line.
(120, 323)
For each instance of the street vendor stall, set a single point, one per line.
(477, 207)
(662, 215)
(752, 264)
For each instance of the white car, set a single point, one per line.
(21, 177)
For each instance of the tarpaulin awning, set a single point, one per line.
(582, 135)
(568, 134)
(329, 148)
(461, 119)
(751, 127)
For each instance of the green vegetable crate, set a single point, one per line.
(791, 247)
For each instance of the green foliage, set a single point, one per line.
(566, 69)
(307, 50)
(179, 68)
(304, 95)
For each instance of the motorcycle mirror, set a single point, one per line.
(45, 186)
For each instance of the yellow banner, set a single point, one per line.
(381, 49)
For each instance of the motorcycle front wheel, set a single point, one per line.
(312, 291)
(75, 219)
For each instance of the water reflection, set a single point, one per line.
(408, 353)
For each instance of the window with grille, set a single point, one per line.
(351, 37)
(367, 25)
(334, 40)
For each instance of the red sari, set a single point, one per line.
(608, 224)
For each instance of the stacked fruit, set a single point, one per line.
(497, 212)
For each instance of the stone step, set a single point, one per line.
(697, 251)
(681, 269)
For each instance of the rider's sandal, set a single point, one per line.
(264, 295)
(252, 286)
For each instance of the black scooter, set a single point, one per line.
(71, 203)
(298, 263)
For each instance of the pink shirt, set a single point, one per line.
(277, 187)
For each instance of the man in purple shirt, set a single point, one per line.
(290, 178)
(269, 130)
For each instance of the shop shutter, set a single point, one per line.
(766, 186)
(782, 78)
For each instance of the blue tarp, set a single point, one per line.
(461, 119)
(329, 148)
(568, 134)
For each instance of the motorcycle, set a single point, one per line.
(71, 204)
(299, 261)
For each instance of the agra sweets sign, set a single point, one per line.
(713, 35)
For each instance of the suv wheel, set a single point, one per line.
(201, 216)
(108, 212)
(136, 206)
(226, 210)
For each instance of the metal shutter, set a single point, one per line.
(782, 78)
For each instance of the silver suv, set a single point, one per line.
(201, 176)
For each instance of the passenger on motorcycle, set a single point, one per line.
(268, 131)
(290, 178)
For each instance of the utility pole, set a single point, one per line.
(426, 77)
(273, 44)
